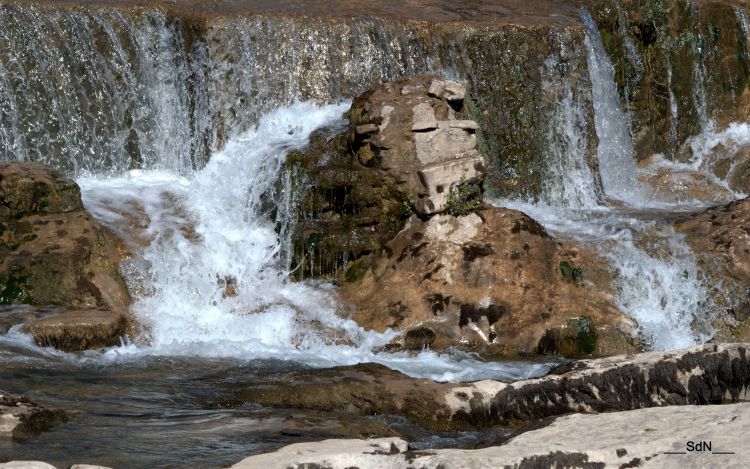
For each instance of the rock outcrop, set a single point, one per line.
(493, 282)
(410, 147)
(53, 253)
(641, 438)
(709, 374)
(21, 418)
(418, 131)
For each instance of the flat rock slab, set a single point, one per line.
(21, 418)
(68, 330)
(639, 438)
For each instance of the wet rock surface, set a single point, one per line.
(709, 374)
(23, 419)
(638, 438)
(720, 237)
(54, 254)
(493, 282)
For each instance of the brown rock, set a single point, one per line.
(493, 282)
(21, 418)
(52, 252)
(720, 237)
(425, 141)
(33, 188)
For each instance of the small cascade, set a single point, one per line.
(673, 111)
(658, 282)
(616, 154)
(570, 181)
(700, 101)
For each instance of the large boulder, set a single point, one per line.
(53, 253)
(493, 282)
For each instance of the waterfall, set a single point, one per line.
(94, 91)
(658, 281)
(570, 181)
(616, 154)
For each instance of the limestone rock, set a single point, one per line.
(52, 252)
(449, 90)
(426, 142)
(404, 152)
(704, 375)
(637, 438)
(493, 282)
(21, 418)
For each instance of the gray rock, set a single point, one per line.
(639, 438)
(424, 117)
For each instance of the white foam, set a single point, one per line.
(197, 232)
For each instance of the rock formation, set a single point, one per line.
(419, 133)
(720, 237)
(53, 255)
(411, 147)
(709, 374)
(641, 438)
(493, 281)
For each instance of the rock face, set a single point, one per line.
(418, 131)
(720, 237)
(639, 438)
(410, 147)
(52, 252)
(493, 281)
(21, 418)
(709, 374)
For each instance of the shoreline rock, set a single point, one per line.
(707, 374)
(638, 438)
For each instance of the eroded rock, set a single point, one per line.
(494, 282)
(709, 374)
(720, 237)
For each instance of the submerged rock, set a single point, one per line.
(22, 419)
(640, 438)
(493, 282)
(52, 253)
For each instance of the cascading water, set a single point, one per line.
(658, 281)
(211, 281)
(95, 91)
